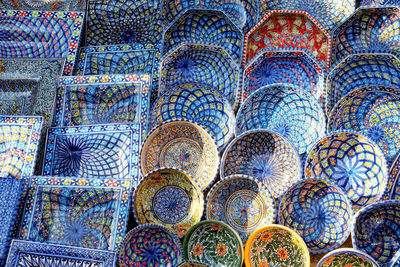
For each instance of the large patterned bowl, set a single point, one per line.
(213, 243)
(150, 245)
(353, 162)
(265, 156)
(169, 197)
(287, 110)
(347, 257)
(198, 103)
(319, 211)
(241, 202)
(276, 245)
(183, 145)
(376, 230)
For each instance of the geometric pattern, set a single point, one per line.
(52, 5)
(367, 3)
(288, 30)
(41, 34)
(393, 187)
(95, 151)
(28, 253)
(368, 29)
(347, 257)
(82, 212)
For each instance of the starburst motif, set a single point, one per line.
(318, 217)
(264, 167)
(72, 152)
(350, 173)
(266, 74)
(245, 211)
(186, 67)
(376, 134)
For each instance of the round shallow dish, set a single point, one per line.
(183, 145)
(319, 211)
(347, 257)
(150, 245)
(353, 162)
(213, 243)
(168, 197)
(276, 245)
(376, 230)
(241, 202)
(198, 103)
(265, 156)
(287, 110)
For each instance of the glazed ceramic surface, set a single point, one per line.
(183, 145)
(265, 156)
(347, 257)
(379, 3)
(191, 264)
(150, 245)
(28, 253)
(353, 162)
(319, 211)
(82, 212)
(395, 262)
(393, 188)
(168, 197)
(241, 202)
(53, 5)
(213, 243)
(276, 245)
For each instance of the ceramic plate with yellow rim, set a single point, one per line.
(276, 245)
(168, 197)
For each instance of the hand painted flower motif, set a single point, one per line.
(318, 217)
(282, 253)
(198, 250)
(221, 249)
(263, 264)
(266, 236)
(349, 173)
(152, 252)
(216, 227)
(245, 211)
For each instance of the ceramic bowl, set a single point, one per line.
(347, 257)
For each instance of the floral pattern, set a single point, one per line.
(347, 258)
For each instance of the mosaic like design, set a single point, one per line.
(198, 103)
(169, 197)
(360, 70)
(374, 112)
(276, 245)
(55, 35)
(288, 30)
(19, 140)
(252, 8)
(328, 13)
(103, 99)
(28, 253)
(347, 257)
(291, 67)
(150, 245)
(82, 212)
(213, 243)
(241, 202)
(96, 151)
(209, 27)
(265, 156)
(196, 63)
(287, 110)
(376, 231)
(379, 3)
(182, 145)
(353, 162)
(52, 5)
(393, 187)
(123, 22)
(368, 29)
(319, 211)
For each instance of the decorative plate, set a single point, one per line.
(285, 109)
(393, 187)
(369, 3)
(183, 145)
(360, 70)
(55, 35)
(53, 5)
(197, 63)
(295, 68)
(169, 197)
(81, 212)
(353, 162)
(347, 257)
(373, 111)
(367, 29)
(123, 22)
(96, 151)
(329, 13)
(198, 103)
(265, 156)
(319, 211)
(83, 100)
(288, 30)
(10, 194)
(28, 253)
(150, 245)
(19, 140)
(241, 202)
(209, 27)
(376, 230)
(191, 264)
(213, 243)
(276, 245)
